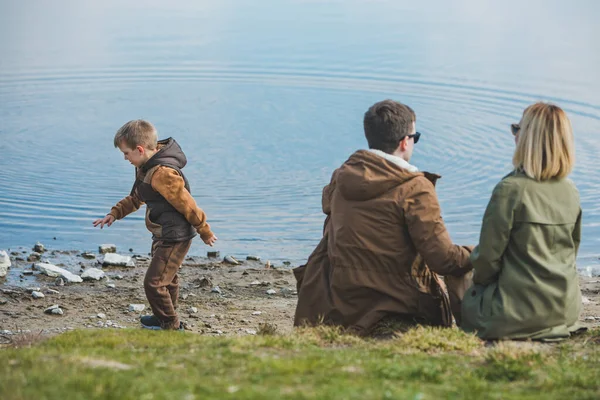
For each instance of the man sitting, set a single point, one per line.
(384, 242)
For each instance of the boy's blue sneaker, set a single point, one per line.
(151, 322)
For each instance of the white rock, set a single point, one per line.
(111, 285)
(101, 315)
(192, 310)
(590, 318)
(137, 307)
(271, 291)
(37, 295)
(4, 263)
(52, 291)
(231, 260)
(257, 313)
(39, 248)
(216, 289)
(55, 309)
(255, 283)
(107, 248)
(118, 260)
(53, 270)
(92, 274)
(250, 331)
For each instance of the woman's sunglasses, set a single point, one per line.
(515, 128)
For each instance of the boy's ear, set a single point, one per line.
(140, 149)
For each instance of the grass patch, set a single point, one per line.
(313, 363)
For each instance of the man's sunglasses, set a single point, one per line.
(417, 135)
(515, 128)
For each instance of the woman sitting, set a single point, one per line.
(526, 284)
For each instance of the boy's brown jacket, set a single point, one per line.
(171, 213)
(384, 244)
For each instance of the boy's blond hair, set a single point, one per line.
(137, 133)
(545, 147)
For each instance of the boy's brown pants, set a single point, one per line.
(162, 282)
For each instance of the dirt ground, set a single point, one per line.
(240, 308)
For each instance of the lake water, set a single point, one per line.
(266, 98)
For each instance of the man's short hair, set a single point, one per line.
(386, 123)
(137, 133)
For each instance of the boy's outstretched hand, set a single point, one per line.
(210, 241)
(108, 220)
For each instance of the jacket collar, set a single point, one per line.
(395, 159)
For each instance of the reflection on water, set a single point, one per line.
(266, 99)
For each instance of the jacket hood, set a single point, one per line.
(365, 176)
(169, 154)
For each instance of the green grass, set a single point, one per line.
(321, 363)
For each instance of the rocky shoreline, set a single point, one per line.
(49, 292)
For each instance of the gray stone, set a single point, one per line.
(107, 248)
(37, 295)
(216, 289)
(271, 292)
(4, 263)
(35, 256)
(93, 274)
(118, 260)
(54, 271)
(213, 254)
(118, 277)
(52, 291)
(39, 248)
(59, 282)
(231, 260)
(253, 258)
(137, 307)
(55, 309)
(89, 256)
(101, 315)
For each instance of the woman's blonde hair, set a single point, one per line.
(545, 147)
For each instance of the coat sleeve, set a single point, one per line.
(428, 233)
(171, 186)
(495, 233)
(126, 206)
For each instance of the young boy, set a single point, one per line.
(171, 215)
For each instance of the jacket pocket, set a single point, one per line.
(153, 227)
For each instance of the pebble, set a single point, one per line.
(231, 260)
(27, 272)
(253, 258)
(52, 291)
(216, 289)
(218, 332)
(250, 331)
(137, 307)
(257, 313)
(590, 318)
(255, 283)
(192, 310)
(89, 256)
(37, 295)
(101, 315)
(118, 277)
(213, 254)
(93, 274)
(107, 248)
(271, 291)
(54, 309)
(39, 248)
(111, 285)
(59, 282)
(585, 300)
